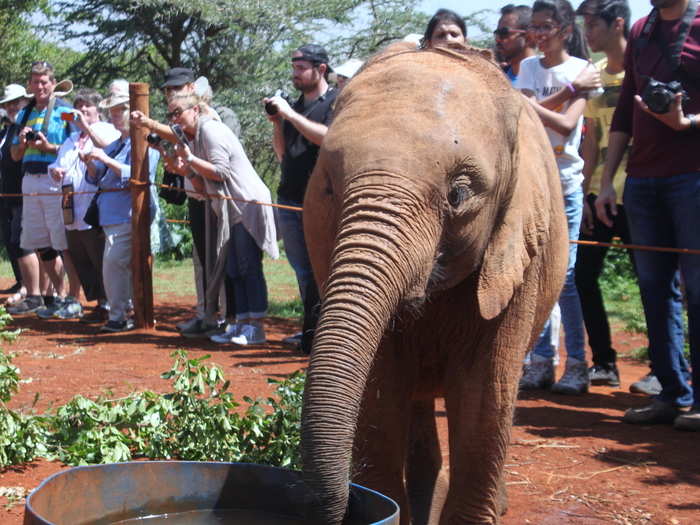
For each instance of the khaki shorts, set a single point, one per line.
(42, 216)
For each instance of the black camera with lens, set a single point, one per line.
(271, 109)
(659, 96)
(153, 139)
(30, 135)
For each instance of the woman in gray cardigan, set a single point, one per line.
(214, 161)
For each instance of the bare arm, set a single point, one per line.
(162, 130)
(312, 131)
(589, 150)
(607, 199)
(587, 80)
(562, 123)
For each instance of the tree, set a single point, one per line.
(242, 47)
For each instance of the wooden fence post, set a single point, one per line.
(141, 259)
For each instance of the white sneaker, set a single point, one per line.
(232, 330)
(575, 379)
(538, 374)
(249, 335)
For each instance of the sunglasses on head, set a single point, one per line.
(505, 32)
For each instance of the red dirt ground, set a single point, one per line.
(571, 460)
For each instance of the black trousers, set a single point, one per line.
(589, 266)
(196, 210)
(10, 227)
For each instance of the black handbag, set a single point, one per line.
(175, 191)
(92, 214)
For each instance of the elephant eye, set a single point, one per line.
(457, 195)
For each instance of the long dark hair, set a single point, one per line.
(564, 14)
(442, 15)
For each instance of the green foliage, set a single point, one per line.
(198, 420)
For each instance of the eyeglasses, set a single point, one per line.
(544, 29)
(504, 32)
(175, 113)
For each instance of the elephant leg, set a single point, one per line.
(381, 439)
(479, 401)
(426, 480)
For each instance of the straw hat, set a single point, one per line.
(61, 90)
(118, 94)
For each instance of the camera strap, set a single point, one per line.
(673, 52)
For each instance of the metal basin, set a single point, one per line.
(160, 491)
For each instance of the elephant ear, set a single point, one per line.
(522, 223)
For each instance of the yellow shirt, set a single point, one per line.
(601, 109)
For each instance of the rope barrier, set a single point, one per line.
(599, 244)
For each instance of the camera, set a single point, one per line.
(180, 134)
(658, 96)
(70, 116)
(270, 108)
(153, 139)
(30, 135)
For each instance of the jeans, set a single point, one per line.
(589, 266)
(244, 267)
(665, 211)
(571, 315)
(291, 227)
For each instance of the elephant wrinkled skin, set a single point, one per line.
(436, 230)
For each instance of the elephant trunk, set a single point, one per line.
(383, 256)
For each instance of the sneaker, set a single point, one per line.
(71, 309)
(575, 379)
(294, 340)
(48, 311)
(187, 325)
(606, 375)
(648, 385)
(117, 326)
(232, 330)
(29, 304)
(249, 335)
(97, 315)
(688, 421)
(656, 412)
(201, 329)
(538, 374)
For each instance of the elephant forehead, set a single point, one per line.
(410, 115)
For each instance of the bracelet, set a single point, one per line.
(693, 122)
(189, 158)
(571, 88)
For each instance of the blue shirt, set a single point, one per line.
(34, 160)
(115, 206)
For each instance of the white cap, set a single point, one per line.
(13, 92)
(349, 68)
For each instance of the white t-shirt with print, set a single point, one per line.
(543, 82)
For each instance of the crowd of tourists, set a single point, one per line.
(621, 130)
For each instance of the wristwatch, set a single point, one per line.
(693, 122)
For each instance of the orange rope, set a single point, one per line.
(296, 208)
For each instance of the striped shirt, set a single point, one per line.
(36, 161)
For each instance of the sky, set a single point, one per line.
(464, 7)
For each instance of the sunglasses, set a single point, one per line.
(175, 113)
(505, 32)
(43, 64)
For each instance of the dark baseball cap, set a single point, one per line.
(178, 76)
(313, 53)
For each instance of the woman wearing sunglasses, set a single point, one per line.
(212, 158)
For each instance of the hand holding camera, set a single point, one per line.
(277, 105)
(664, 101)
